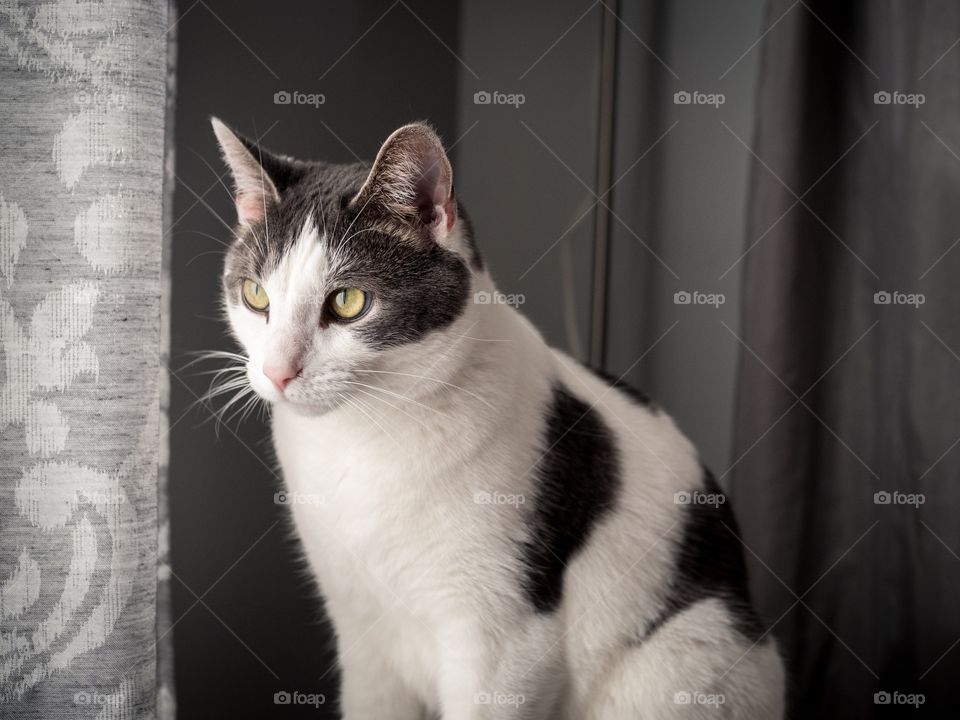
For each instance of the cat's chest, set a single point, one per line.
(361, 496)
(374, 500)
(398, 513)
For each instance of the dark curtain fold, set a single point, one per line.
(848, 421)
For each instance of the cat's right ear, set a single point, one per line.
(413, 180)
(255, 191)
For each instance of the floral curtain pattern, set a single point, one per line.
(83, 86)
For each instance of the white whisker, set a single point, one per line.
(398, 409)
(470, 337)
(356, 217)
(436, 380)
(360, 405)
(397, 395)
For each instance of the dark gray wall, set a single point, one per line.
(701, 213)
(683, 208)
(525, 173)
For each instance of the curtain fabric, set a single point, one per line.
(846, 479)
(83, 86)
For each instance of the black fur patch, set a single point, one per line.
(578, 480)
(710, 564)
(638, 396)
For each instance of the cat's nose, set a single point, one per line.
(280, 373)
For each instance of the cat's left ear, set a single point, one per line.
(413, 180)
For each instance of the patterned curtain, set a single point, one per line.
(83, 93)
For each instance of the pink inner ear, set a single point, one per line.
(434, 184)
(450, 209)
(250, 208)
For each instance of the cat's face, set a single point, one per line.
(344, 277)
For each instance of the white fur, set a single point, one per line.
(420, 578)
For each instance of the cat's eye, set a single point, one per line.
(255, 296)
(349, 303)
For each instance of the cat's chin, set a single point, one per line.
(307, 408)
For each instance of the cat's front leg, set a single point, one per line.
(511, 673)
(370, 689)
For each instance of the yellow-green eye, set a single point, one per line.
(348, 303)
(255, 296)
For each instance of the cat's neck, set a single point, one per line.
(463, 381)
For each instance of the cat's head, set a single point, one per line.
(341, 277)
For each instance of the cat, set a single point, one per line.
(497, 531)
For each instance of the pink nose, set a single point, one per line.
(280, 373)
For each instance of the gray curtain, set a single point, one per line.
(846, 480)
(82, 104)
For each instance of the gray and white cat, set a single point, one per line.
(498, 532)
